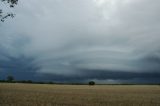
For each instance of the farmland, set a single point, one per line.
(78, 95)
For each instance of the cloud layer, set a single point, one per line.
(83, 40)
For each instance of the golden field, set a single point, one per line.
(78, 95)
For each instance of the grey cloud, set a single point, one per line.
(64, 37)
(20, 67)
(105, 76)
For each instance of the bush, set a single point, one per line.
(91, 83)
(10, 78)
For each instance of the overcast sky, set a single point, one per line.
(108, 41)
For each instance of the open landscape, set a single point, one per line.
(16, 94)
(79, 52)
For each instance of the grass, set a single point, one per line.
(78, 95)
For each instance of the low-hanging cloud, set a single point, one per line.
(75, 37)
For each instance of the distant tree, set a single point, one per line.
(40, 82)
(3, 15)
(22, 81)
(29, 81)
(50, 82)
(10, 78)
(91, 83)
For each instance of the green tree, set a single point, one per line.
(29, 81)
(91, 83)
(11, 3)
(10, 78)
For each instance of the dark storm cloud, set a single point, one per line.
(83, 39)
(105, 76)
(21, 67)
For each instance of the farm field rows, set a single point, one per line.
(78, 95)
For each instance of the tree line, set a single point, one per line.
(11, 79)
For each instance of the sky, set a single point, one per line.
(107, 41)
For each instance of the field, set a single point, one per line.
(79, 95)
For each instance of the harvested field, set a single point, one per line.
(78, 95)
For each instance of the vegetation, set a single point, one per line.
(3, 15)
(13, 94)
(10, 78)
(91, 83)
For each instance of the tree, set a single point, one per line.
(10, 78)
(11, 3)
(91, 83)
(29, 81)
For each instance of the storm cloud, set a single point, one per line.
(80, 40)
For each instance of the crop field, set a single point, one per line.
(78, 95)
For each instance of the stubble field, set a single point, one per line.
(79, 95)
